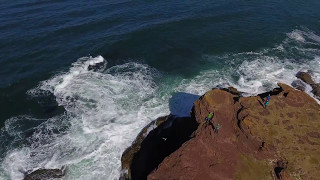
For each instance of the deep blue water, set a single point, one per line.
(186, 46)
(39, 38)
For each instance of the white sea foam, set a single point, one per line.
(106, 110)
(304, 36)
(297, 35)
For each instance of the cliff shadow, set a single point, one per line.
(181, 103)
(160, 143)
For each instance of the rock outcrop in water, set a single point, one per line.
(306, 77)
(281, 141)
(97, 66)
(43, 174)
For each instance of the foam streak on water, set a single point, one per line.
(106, 110)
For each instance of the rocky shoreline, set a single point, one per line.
(281, 141)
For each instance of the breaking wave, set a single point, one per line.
(257, 72)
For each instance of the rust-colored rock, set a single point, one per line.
(292, 134)
(211, 155)
(251, 140)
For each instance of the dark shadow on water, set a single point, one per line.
(181, 103)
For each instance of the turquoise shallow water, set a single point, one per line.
(53, 112)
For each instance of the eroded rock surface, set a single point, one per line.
(254, 142)
(224, 155)
(286, 125)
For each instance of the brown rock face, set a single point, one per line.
(306, 77)
(252, 141)
(293, 116)
(298, 84)
(316, 90)
(211, 155)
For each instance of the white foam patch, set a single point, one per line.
(304, 36)
(315, 72)
(297, 35)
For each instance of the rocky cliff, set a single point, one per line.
(254, 142)
(280, 141)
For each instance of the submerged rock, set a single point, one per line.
(44, 174)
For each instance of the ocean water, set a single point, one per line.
(54, 112)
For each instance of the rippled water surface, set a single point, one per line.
(54, 112)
